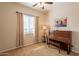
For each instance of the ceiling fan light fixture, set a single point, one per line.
(39, 4)
(42, 4)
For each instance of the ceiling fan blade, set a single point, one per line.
(35, 4)
(48, 2)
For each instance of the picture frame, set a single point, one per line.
(61, 22)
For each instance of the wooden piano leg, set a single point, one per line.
(59, 47)
(68, 51)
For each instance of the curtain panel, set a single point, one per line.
(37, 29)
(19, 33)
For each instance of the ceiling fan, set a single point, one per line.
(42, 4)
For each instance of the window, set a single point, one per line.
(29, 24)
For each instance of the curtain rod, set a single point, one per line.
(18, 12)
(26, 14)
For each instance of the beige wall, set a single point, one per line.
(8, 22)
(71, 11)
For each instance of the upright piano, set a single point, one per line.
(63, 38)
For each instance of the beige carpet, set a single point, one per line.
(40, 49)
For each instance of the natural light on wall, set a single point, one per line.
(29, 24)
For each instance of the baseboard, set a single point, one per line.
(7, 49)
(31, 44)
(75, 51)
(14, 48)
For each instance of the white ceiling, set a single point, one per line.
(38, 7)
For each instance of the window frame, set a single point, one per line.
(30, 29)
